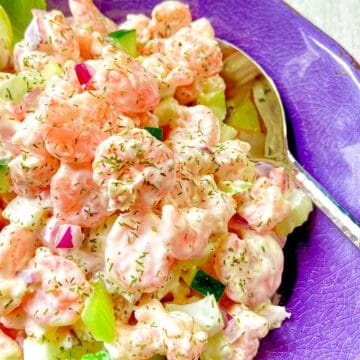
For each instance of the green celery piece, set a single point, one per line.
(227, 132)
(101, 355)
(98, 314)
(245, 117)
(206, 284)
(19, 12)
(156, 132)
(235, 187)
(167, 111)
(19, 84)
(158, 357)
(215, 100)
(51, 69)
(124, 40)
(301, 206)
(5, 186)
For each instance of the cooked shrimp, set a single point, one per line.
(250, 268)
(220, 205)
(197, 124)
(76, 198)
(188, 231)
(17, 247)
(87, 16)
(25, 59)
(172, 334)
(90, 25)
(125, 83)
(74, 128)
(60, 290)
(49, 33)
(136, 253)
(231, 158)
(140, 23)
(184, 188)
(31, 173)
(265, 207)
(169, 75)
(168, 17)
(194, 49)
(244, 331)
(204, 26)
(7, 129)
(134, 167)
(9, 348)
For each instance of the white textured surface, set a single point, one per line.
(338, 18)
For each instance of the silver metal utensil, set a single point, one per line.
(243, 75)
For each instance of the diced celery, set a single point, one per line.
(51, 69)
(235, 187)
(245, 117)
(156, 132)
(227, 132)
(18, 85)
(98, 314)
(124, 40)
(206, 284)
(26, 212)
(158, 357)
(215, 101)
(5, 185)
(205, 312)
(216, 348)
(301, 206)
(167, 111)
(101, 355)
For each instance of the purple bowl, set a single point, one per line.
(320, 86)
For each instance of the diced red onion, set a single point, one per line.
(66, 240)
(237, 223)
(83, 73)
(206, 149)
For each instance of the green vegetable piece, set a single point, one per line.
(215, 101)
(156, 132)
(301, 206)
(227, 132)
(18, 85)
(98, 314)
(124, 40)
(19, 12)
(101, 355)
(235, 187)
(158, 357)
(51, 69)
(206, 284)
(167, 111)
(5, 185)
(245, 117)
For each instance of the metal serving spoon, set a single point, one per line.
(243, 76)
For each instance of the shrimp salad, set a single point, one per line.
(134, 224)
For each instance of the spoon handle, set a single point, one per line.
(326, 203)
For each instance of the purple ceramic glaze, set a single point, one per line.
(320, 87)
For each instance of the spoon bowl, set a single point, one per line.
(245, 81)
